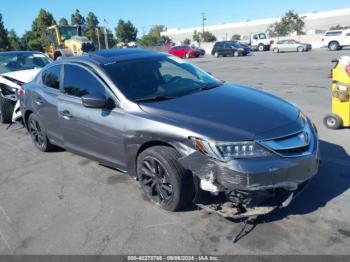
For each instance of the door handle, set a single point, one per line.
(66, 114)
(38, 101)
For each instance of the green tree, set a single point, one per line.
(63, 21)
(38, 37)
(196, 36)
(4, 41)
(291, 22)
(91, 26)
(208, 37)
(14, 40)
(155, 31)
(125, 31)
(77, 18)
(30, 42)
(187, 41)
(236, 37)
(154, 36)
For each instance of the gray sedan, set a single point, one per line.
(183, 134)
(290, 45)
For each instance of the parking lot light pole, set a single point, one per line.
(204, 18)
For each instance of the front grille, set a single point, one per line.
(291, 145)
(293, 151)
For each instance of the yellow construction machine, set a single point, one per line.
(66, 40)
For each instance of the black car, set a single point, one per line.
(230, 48)
(178, 130)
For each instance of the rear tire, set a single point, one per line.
(276, 50)
(187, 55)
(332, 121)
(163, 180)
(216, 54)
(235, 53)
(6, 110)
(333, 46)
(38, 134)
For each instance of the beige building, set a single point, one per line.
(315, 23)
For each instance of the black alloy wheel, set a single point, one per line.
(155, 181)
(38, 134)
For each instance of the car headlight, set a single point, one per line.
(230, 150)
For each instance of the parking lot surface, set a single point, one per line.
(60, 203)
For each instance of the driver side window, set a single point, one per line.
(79, 82)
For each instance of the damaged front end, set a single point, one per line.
(243, 187)
(9, 92)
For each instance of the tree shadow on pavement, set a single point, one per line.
(332, 179)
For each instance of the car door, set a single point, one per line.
(221, 49)
(283, 46)
(45, 100)
(228, 50)
(92, 132)
(292, 45)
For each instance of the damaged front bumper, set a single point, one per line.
(251, 187)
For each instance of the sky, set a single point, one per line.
(19, 14)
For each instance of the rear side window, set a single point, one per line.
(79, 82)
(51, 76)
(335, 33)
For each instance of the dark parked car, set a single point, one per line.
(230, 48)
(182, 133)
(201, 50)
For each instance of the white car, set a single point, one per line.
(16, 69)
(336, 39)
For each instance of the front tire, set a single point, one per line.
(6, 110)
(187, 55)
(300, 49)
(235, 53)
(333, 121)
(216, 54)
(38, 134)
(261, 48)
(276, 50)
(163, 180)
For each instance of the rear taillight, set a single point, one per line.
(330, 76)
(20, 92)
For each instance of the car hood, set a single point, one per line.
(229, 113)
(23, 76)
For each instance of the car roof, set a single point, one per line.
(113, 55)
(20, 52)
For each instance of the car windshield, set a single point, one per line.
(10, 62)
(158, 77)
(68, 31)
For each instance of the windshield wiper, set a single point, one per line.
(154, 98)
(210, 86)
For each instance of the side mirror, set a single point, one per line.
(94, 101)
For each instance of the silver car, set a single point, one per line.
(186, 136)
(290, 45)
